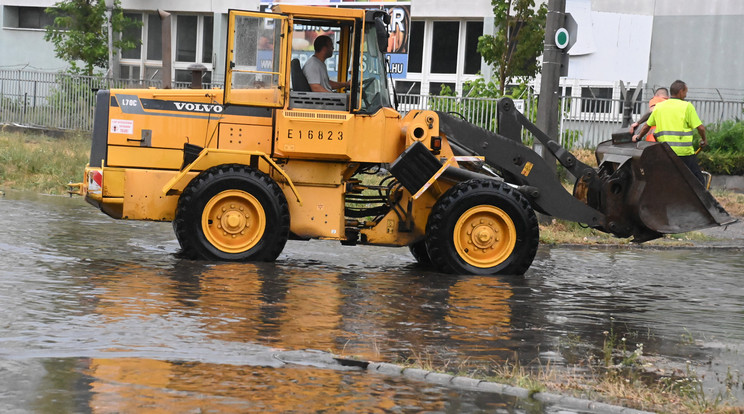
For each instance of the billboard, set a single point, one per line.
(399, 29)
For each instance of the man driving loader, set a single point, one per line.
(674, 120)
(315, 69)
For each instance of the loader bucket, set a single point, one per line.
(648, 191)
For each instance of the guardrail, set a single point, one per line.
(65, 101)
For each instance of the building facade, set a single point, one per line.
(630, 41)
(441, 38)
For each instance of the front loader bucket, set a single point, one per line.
(648, 191)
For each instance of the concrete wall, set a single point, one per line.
(698, 7)
(610, 46)
(196, 6)
(25, 48)
(448, 8)
(704, 51)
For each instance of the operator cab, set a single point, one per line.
(267, 51)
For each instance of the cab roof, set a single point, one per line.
(319, 12)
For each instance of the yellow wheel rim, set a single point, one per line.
(484, 236)
(233, 221)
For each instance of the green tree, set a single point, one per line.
(80, 33)
(517, 44)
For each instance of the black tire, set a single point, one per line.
(234, 213)
(482, 227)
(418, 251)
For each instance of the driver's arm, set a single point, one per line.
(315, 87)
(337, 85)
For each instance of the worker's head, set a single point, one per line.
(660, 95)
(678, 89)
(662, 92)
(323, 46)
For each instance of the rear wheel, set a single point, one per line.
(482, 227)
(232, 212)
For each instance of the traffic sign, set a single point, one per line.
(562, 38)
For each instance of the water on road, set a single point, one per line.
(100, 315)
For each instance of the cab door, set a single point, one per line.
(256, 59)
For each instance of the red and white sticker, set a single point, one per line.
(122, 126)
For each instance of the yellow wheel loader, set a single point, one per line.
(241, 170)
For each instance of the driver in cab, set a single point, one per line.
(315, 69)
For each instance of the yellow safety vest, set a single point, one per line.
(675, 121)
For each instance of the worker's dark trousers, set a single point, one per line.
(692, 163)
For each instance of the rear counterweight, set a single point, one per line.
(100, 129)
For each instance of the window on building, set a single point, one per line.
(192, 43)
(207, 39)
(186, 29)
(183, 75)
(407, 87)
(133, 33)
(33, 18)
(408, 92)
(129, 72)
(445, 39)
(598, 100)
(473, 30)
(435, 88)
(154, 38)
(443, 52)
(26, 17)
(152, 72)
(416, 47)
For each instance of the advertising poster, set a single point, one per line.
(399, 29)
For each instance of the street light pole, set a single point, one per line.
(109, 13)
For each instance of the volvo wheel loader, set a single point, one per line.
(241, 170)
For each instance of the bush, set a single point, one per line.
(725, 155)
(722, 162)
(727, 136)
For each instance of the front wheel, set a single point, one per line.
(232, 212)
(482, 227)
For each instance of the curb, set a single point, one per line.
(471, 384)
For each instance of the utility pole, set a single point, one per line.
(548, 105)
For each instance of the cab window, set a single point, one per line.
(304, 33)
(375, 93)
(255, 59)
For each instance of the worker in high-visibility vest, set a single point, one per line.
(675, 120)
(661, 95)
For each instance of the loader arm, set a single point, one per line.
(521, 166)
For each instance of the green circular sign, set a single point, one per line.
(561, 38)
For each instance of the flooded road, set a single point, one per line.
(100, 315)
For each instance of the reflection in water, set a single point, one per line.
(152, 386)
(479, 309)
(102, 316)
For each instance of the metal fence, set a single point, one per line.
(480, 111)
(585, 122)
(47, 99)
(64, 101)
(56, 100)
